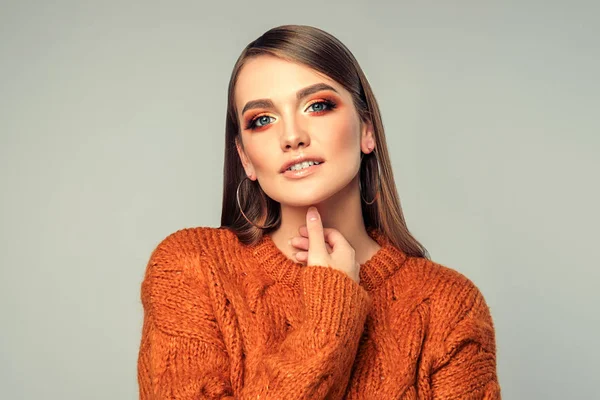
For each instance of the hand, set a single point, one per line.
(325, 246)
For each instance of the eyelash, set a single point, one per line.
(329, 103)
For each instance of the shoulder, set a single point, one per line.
(450, 295)
(192, 242)
(176, 285)
(438, 280)
(184, 257)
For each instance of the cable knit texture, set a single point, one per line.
(227, 321)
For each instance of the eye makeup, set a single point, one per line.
(328, 103)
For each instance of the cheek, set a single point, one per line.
(344, 135)
(259, 155)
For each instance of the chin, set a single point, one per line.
(305, 194)
(300, 198)
(301, 201)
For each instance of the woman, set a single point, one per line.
(313, 287)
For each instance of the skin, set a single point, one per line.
(294, 127)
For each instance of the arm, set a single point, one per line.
(467, 368)
(184, 355)
(178, 367)
(314, 361)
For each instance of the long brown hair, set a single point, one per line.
(324, 53)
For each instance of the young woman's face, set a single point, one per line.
(320, 124)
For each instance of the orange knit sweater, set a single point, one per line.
(227, 321)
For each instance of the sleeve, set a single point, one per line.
(178, 367)
(467, 367)
(187, 333)
(315, 360)
(181, 355)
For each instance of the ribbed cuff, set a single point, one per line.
(334, 302)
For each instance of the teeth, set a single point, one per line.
(302, 165)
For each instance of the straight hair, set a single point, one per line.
(324, 53)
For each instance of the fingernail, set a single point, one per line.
(312, 214)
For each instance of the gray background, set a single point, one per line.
(112, 127)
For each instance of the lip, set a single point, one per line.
(300, 159)
(303, 172)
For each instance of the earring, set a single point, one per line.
(378, 189)
(237, 197)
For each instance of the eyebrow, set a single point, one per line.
(302, 93)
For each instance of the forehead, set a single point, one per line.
(275, 78)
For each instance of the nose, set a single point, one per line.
(293, 135)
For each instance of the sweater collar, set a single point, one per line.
(387, 260)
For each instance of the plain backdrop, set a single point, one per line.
(112, 131)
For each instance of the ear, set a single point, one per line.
(244, 159)
(367, 137)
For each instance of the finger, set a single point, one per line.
(304, 231)
(299, 242)
(302, 256)
(302, 243)
(326, 232)
(316, 239)
(334, 238)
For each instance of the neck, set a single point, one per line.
(342, 212)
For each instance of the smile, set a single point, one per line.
(302, 165)
(303, 169)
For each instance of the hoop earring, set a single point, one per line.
(378, 190)
(237, 197)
